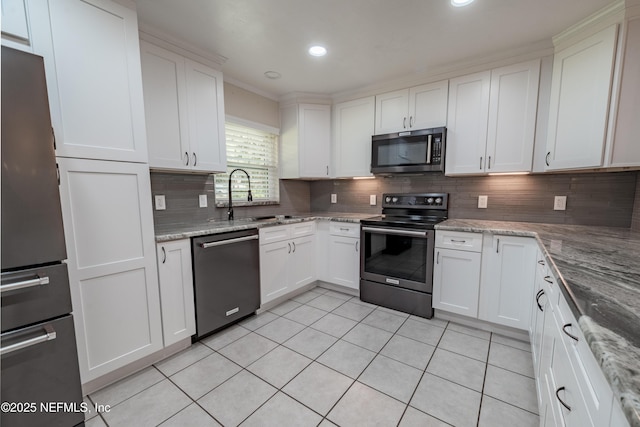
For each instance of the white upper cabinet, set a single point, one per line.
(513, 103)
(578, 113)
(15, 25)
(92, 58)
(492, 120)
(305, 141)
(352, 131)
(184, 109)
(625, 150)
(467, 123)
(418, 107)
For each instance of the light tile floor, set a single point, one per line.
(325, 358)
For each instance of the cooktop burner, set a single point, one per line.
(412, 210)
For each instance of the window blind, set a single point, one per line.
(255, 151)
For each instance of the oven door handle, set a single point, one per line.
(395, 231)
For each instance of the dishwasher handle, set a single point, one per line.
(228, 242)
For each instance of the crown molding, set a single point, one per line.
(249, 88)
(598, 21)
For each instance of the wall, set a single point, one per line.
(605, 199)
(247, 105)
(635, 220)
(181, 193)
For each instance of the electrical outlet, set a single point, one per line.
(560, 203)
(334, 198)
(482, 202)
(160, 203)
(372, 200)
(202, 198)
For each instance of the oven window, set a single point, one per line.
(400, 257)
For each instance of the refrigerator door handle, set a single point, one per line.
(38, 281)
(49, 335)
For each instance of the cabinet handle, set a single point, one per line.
(357, 243)
(344, 229)
(498, 247)
(560, 400)
(164, 255)
(438, 258)
(404, 123)
(53, 132)
(38, 281)
(548, 279)
(489, 166)
(411, 121)
(538, 296)
(458, 241)
(58, 174)
(294, 246)
(546, 159)
(289, 244)
(480, 163)
(568, 334)
(327, 170)
(49, 334)
(187, 156)
(541, 262)
(195, 159)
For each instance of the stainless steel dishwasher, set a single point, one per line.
(226, 273)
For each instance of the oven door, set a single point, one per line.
(398, 257)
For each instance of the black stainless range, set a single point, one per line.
(396, 261)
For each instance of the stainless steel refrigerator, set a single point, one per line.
(39, 361)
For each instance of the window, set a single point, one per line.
(255, 151)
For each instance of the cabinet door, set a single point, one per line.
(94, 80)
(302, 267)
(392, 112)
(512, 117)
(428, 105)
(353, 128)
(456, 281)
(15, 25)
(274, 279)
(108, 224)
(176, 290)
(314, 137)
(579, 106)
(205, 99)
(539, 309)
(467, 120)
(344, 261)
(507, 281)
(165, 106)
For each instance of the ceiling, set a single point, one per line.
(368, 41)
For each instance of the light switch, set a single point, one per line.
(203, 200)
(160, 203)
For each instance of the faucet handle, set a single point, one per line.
(249, 196)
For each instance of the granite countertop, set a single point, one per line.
(185, 231)
(599, 270)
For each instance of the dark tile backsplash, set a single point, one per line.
(605, 199)
(181, 193)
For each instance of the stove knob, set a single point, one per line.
(439, 201)
(394, 200)
(430, 201)
(412, 201)
(387, 199)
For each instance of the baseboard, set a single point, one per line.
(338, 288)
(483, 325)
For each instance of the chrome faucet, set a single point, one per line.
(249, 196)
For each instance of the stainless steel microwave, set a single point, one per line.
(415, 151)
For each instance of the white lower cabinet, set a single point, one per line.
(456, 273)
(507, 280)
(344, 255)
(287, 259)
(113, 276)
(176, 290)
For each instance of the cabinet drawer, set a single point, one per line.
(591, 380)
(344, 229)
(459, 240)
(274, 234)
(305, 228)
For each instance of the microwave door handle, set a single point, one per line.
(429, 149)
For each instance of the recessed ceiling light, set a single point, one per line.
(460, 3)
(317, 51)
(273, 75)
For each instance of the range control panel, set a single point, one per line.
(416, 200)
